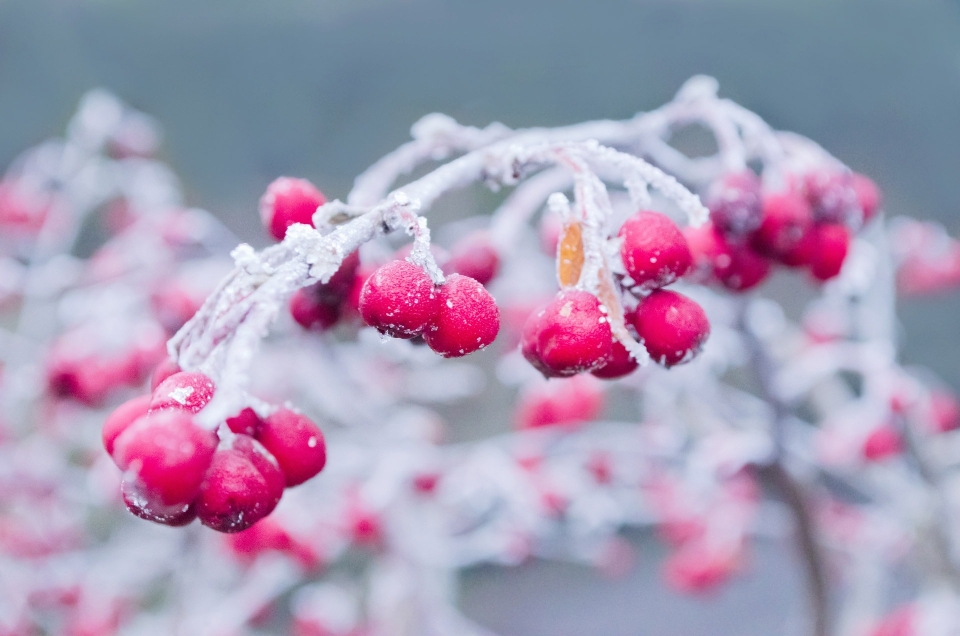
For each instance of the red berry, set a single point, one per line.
(338, 287)
(167, 454)
(831, 244)
(467, 319)
(621, 364)
(187, 391)
(163, 371)
(883, 442)
(801, 254)
(297, 444)
(832, 197)
(399, 300)
(786, 218)
(566, 402)
(671, 326)
(241, 487)
(568, 336)
(734, 265)
(121, 419)
(246, 422)
(312, 313)
(352, 301)
(147, 506)
(476, 257)
(653, 250)
(734, 203)
(288, 201)
(868, 195)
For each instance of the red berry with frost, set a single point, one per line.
(786, 218)
(831, 243)
(297, 444)
(566, 402)
(187, 391)
(467, 319)
(476, 257)
(121, 418)
(883, 442)
(570, 335)
(735, 203)
(167, 454)
(653, 250)
(868, 195)
(246, 422)
(241, 487)
(399, 300)
(148, 506)
(311, 313)
(163, 371)
(832, 197)
(288, 201)
(620, 364)
(671, 326)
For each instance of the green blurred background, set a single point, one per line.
(247, 90)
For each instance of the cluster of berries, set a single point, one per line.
(808, 225)
(176, 471)
(398, 299)
(572, 333)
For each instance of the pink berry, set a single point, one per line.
(786, 218)
(288, 201)
(734, 203)
(570, 335)
(831, 244)
(167, 454)
(883, 442)
(163, 371)
(246, 422)
(476, 257)
(944, 412)
(671, 326)
(312, 313)
(868, 195)
(148, 507)
(653, 250)
(297, 444)
(399, 300)
(566, 402)
(187, 391)
(121, 419)
(621, 364)
(699, 567)
(241, 487)
(467, 319)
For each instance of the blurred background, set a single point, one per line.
(248, 90)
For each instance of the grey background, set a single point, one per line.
(248, 90)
